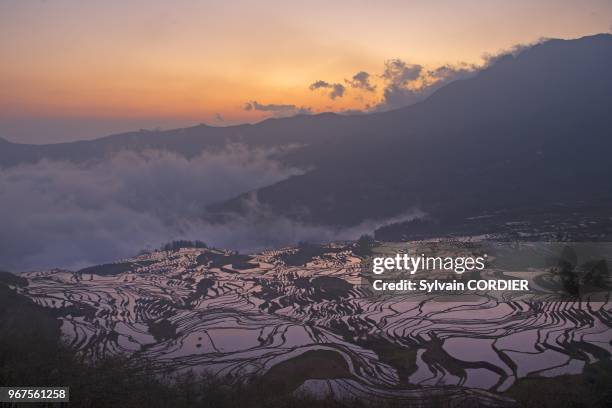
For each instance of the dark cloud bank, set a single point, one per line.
(336, 90)
(277, 110)
(60, 214)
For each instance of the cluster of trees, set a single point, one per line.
(589, 275)
(364, 245)
(182, 243)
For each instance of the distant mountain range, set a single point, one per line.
(189, 142)
(529, 130)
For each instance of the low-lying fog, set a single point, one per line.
(61, 214)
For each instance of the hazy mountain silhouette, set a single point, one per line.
(189, 142)
(530, 129)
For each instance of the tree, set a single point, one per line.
(364, 245)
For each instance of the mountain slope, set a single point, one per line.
(529, 129)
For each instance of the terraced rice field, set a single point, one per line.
(305, 322)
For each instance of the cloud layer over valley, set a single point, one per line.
(63, 214)
(60, 214)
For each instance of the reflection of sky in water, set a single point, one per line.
(251, 320)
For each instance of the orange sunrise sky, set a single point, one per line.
(82, 69)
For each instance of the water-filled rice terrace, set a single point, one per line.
(300, 319)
